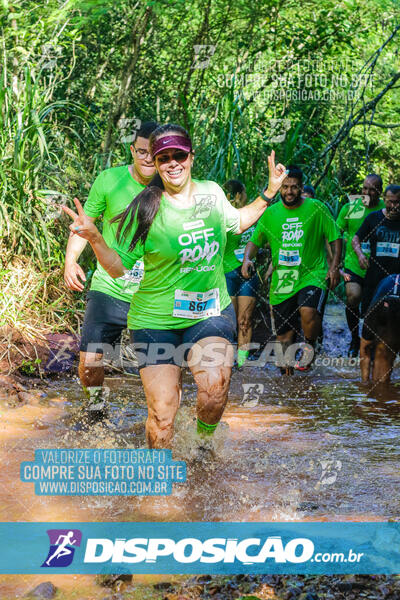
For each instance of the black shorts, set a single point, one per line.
(285, 316)
(354, 278)
(105, 319)
(171, 346)
(366, 298)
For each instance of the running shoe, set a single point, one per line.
(304, 363)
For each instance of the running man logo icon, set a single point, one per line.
(204, 203)
(202, 55)
(357, 209)
(286, 281)
(61, 551)
(277, 130)
(252, 393)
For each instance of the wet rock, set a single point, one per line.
(43, 591)
(13, 401)
(109, 579)
(196, 591)
(350, 583)
(9, 382)
(40, 425)
(203, 579)
(163, 585)
(27, 398)
(243, 577)
(338, 330)
(15, 392)
(292, 593)
(304, 506)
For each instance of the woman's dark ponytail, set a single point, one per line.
(145, 205)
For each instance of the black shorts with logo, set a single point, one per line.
(171, 346)
(105, 319)
(285, 316)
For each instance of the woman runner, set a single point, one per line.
(182, 310)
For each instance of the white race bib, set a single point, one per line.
(196, 305)
(133, 277)
(239, 253)
(289, 258)
(387, 249)
(366, 247)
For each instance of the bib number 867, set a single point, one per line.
(197, 306)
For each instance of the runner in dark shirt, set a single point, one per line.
(382, 230)
(380, 339)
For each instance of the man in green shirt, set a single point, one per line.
(350, 219)
(108, 299)
(243, 292)
(296, 229)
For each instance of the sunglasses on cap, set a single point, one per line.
(179, 155)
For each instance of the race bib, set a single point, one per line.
(387, 249)
(287, 279)
(196, 305)
(132, 278)
(289, 258)
(239, 253)
(366, 248)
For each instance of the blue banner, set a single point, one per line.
(189, 548)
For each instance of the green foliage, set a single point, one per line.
(30, 367)
(72, 70)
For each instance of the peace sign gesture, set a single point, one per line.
(82, 224)
(276, 174)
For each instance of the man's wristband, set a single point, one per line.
(264, 197)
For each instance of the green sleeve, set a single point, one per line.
(96, 203)
(330, 227)
(259, 237)
(341, 221)
(129, 257)
(232, 215)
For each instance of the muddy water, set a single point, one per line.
(316, 446)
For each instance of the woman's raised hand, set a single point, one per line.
(82, 225)
(277, 174)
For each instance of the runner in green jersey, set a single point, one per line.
(182, 309)
(243, 292)
(108, 299)
(350, 219)
(296, 229)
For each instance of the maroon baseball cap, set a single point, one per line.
(179, 142)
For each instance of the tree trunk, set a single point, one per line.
(122, 97)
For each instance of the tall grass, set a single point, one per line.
(39, 149)
(32, 303)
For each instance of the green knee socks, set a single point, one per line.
(96, 397)
(242, 357)
(205, 428)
